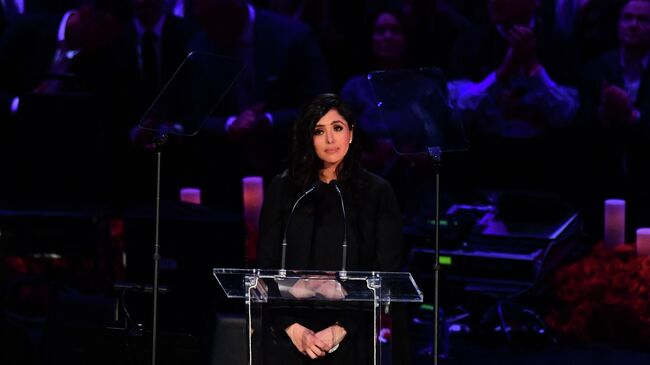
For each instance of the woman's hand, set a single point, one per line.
(331, 289)
(332, 336)
(306, 341)
(304, 289)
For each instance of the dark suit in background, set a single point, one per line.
(616, 156)
(54, 93)
(26, 53)
(286, 65)
(128, 95)
(283, 67)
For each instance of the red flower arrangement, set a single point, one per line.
(603, 297)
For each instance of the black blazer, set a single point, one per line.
(123, 73)
(373, 226)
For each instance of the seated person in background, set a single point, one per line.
(388, 49)
(615, 122)
(49, 63)
(52, 52)
(150, 48)
(282, 67)
(515, 111)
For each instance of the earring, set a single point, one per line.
(350, 140)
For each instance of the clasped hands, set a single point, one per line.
(616, 108)
(522, 53)
(252, 119)
(308, 288)
(315, 344)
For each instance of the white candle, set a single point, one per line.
(191, 195)
(643, 241)
(614, 222)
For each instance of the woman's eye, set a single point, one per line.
(318, 132)
(338, 128)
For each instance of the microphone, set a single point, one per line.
(283, 271)
(343, 274)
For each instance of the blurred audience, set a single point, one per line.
(591, 24)
(281, 67)
(436, 26)
(51, 51)
(11, 10)
(50, 63)
(389, 47)
(513, 99)
(152, 45)
(337, 26)
(150, 48)
(284, 65)
(513, 64)
(386, 48)
(615, 118)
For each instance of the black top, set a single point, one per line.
(315, 232)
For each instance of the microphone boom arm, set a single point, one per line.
(283, 271)
(344, 252)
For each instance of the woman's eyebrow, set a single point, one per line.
(332, 123)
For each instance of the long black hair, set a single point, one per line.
(305, 164)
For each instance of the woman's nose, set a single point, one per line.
(330, 137)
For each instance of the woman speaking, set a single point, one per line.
(323, 202)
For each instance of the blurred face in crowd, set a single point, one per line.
(148, 11)
(223, 20)
(90, 29)
(388, 42)
(511, 12)
(332, 136)
(634, 24)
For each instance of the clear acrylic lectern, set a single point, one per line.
(357, 290)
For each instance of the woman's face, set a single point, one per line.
(332, 137)
(387, 37)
